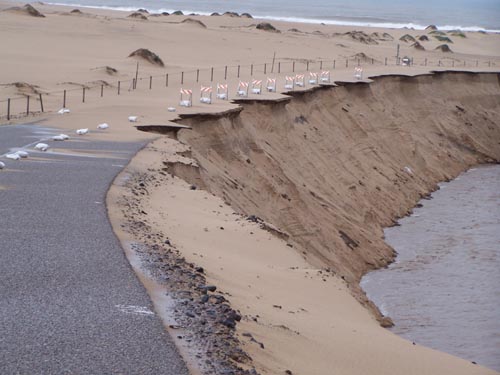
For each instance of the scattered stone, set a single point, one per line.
(140, 10)
(177, 13)
(76, 11)
(246, 15)
(423, 38)
(147, 55)
(215, 14)
(165, 14)
(192, 187)
(431, 28)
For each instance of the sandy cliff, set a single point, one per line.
(333, 166)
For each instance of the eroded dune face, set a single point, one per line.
(332, 167)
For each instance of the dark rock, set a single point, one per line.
(443, 38)
(165, 14)
(138, 16)
(142, 11)
(266, 26)
(147, 55)
(194, 22)
(230, 14)
(431, 28)
(361, 36)
(423, 38)
(192, 187)
(444, 48)
(76, 11)
(199, 270)
(246, 15)
(204, 298)
(28, 10)
(215, 14)
(407, 38)
(418, 46)
(208, 288)
(177, 13)
(190, 314)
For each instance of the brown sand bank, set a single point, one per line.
(326, 167)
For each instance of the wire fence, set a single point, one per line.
(40, 102)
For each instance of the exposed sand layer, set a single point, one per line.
(325, 168)
(327, 180)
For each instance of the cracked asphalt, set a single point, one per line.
(70, 302)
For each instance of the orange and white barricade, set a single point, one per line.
(289, 83)
(358, 72)
(271, 84)
(222, 91)
(186, 98)
(257, 86)
(313, 78)
(206, 94)
(325, 76)
(242, 89)
(300, 80)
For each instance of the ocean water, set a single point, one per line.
(467, 15)
(443, 290)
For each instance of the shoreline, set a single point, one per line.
(151, 106)
(289, 19)
(404, 262)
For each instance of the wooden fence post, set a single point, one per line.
(307, 66)
(8, 109)
(118, 87)
(83, 94)
(166, 80)
(102, 91)
(27, 105)
(279, 67)
(346, 63)
(182, 78)
(41, 102)
(238, 71)
(293, 67)
(197, 75)
(321, 65)
(150, 82)
(225, 73)
(333, 64)
(251, 70)
(265, 68)
(64, 99)
(212, 75)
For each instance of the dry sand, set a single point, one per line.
(305, 315)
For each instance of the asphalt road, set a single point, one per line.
(70, 302)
